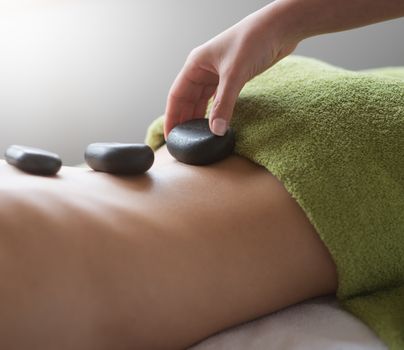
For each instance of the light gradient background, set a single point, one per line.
(76, 72)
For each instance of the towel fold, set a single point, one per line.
(335, 138)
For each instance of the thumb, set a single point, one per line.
(223, 105)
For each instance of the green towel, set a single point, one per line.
(335, 138)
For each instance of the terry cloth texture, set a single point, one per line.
(335, 138)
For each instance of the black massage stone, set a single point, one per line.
(119, 158)
(193, 143)
(33, 160)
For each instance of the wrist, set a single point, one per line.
(283, 22)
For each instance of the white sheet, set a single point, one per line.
(318, 324)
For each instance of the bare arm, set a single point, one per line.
(302, 19)
(221, 66)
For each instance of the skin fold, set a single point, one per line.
(157, 261)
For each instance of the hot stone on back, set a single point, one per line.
(193, 143)
(119, 158)
(33, 160)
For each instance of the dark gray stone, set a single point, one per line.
(33, 160)
(193, 143)
(119, 158)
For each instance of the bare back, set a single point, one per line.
(157, 261)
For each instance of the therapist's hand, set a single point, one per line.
(221, 67)
(224, 64)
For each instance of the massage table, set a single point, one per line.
(317, 324)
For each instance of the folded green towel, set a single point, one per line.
(335, 138)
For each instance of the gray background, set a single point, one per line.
(75, 72)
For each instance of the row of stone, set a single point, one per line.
(191, 142)
(114, 158)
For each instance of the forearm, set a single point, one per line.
(299, 19)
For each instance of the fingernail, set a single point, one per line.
(219, 126)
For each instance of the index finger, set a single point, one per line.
(189, 93)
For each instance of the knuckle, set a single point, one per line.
(195, 54)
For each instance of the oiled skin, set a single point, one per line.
(159, 261)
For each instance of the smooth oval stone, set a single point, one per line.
(119, 158)
(33, 160)
(193, 143)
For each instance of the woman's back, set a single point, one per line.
(158, 261)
